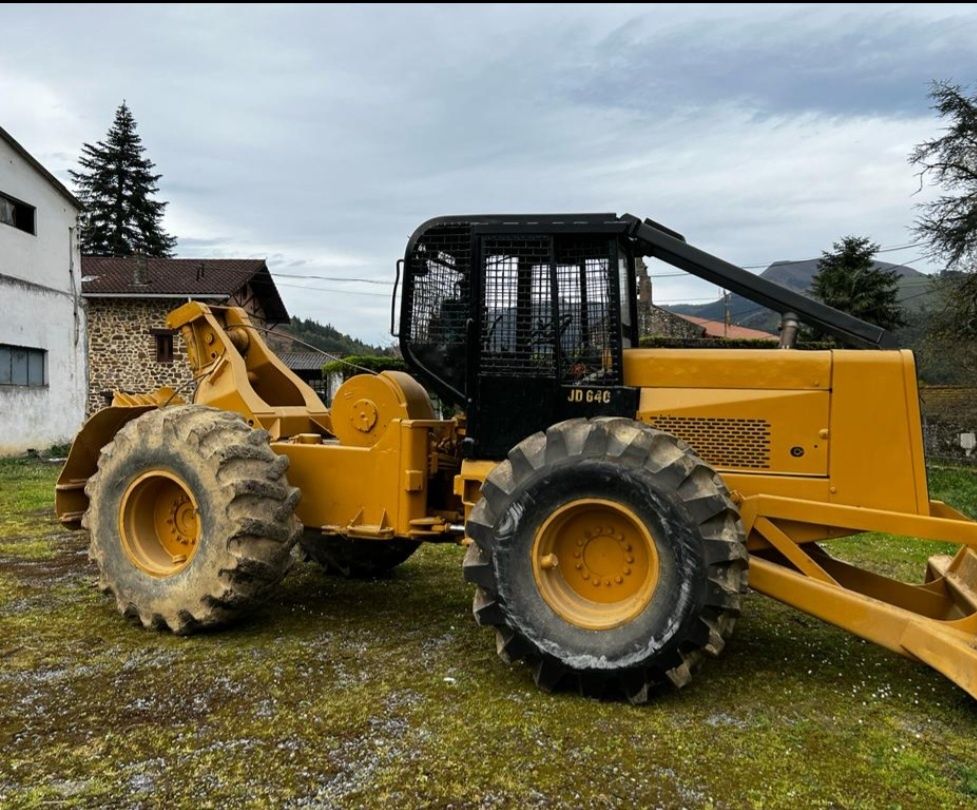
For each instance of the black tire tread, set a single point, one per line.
(675, 465)
(259, 527)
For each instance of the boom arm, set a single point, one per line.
(652, 239)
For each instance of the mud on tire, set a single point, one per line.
(696, 532)
(245, 513)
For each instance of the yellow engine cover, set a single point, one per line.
(758, 411)
(733, 429)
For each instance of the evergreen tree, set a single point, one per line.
(949, 223)
(847, 279)
(117, 185)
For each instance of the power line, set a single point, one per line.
(685, 300)
(333, 278)
(341, 292)
(815, 258)
(780, 263)
(387, 283)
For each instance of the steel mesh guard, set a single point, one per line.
(439, 301)
(517, 333)
(548, 306)
(589, 320)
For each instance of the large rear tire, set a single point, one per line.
(608, 556)
(191, 518)
(357, 559)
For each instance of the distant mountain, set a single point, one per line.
(322, 336)
(798, 276)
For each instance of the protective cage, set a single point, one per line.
(498, 315)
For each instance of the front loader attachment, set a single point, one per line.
(233, 369)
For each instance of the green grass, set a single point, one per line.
(385, 693)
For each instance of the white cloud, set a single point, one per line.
(321, 137)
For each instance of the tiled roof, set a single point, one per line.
(179, 278)
(718, 329)
(304, 361)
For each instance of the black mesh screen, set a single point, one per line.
(549, 307)
(518, 336)
(589, 320)
(439, 301)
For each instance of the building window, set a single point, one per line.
(20, 365)
(164, 344)
(17, 214)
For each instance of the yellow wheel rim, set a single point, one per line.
(159, 523)
(595, 563)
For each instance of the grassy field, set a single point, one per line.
(385, 693)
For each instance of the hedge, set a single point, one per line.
(660, 342)
(359, 363)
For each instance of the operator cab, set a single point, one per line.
(520, 320)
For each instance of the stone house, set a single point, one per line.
(128, 298)
(660, 323)
(655, 321)
(42, 328)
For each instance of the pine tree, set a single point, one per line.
(117, 185)
(847, 279)
(948, 224)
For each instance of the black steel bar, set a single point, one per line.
(656, 242)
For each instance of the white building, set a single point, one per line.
(43, 381)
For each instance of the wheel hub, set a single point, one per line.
(595, 563)
(159, 523)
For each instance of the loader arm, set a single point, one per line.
(236, 371)
(233, 369)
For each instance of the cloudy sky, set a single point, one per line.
(321, 137)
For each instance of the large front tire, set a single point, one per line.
(608, 556)
(191, 518)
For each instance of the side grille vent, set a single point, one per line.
(741, 443)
